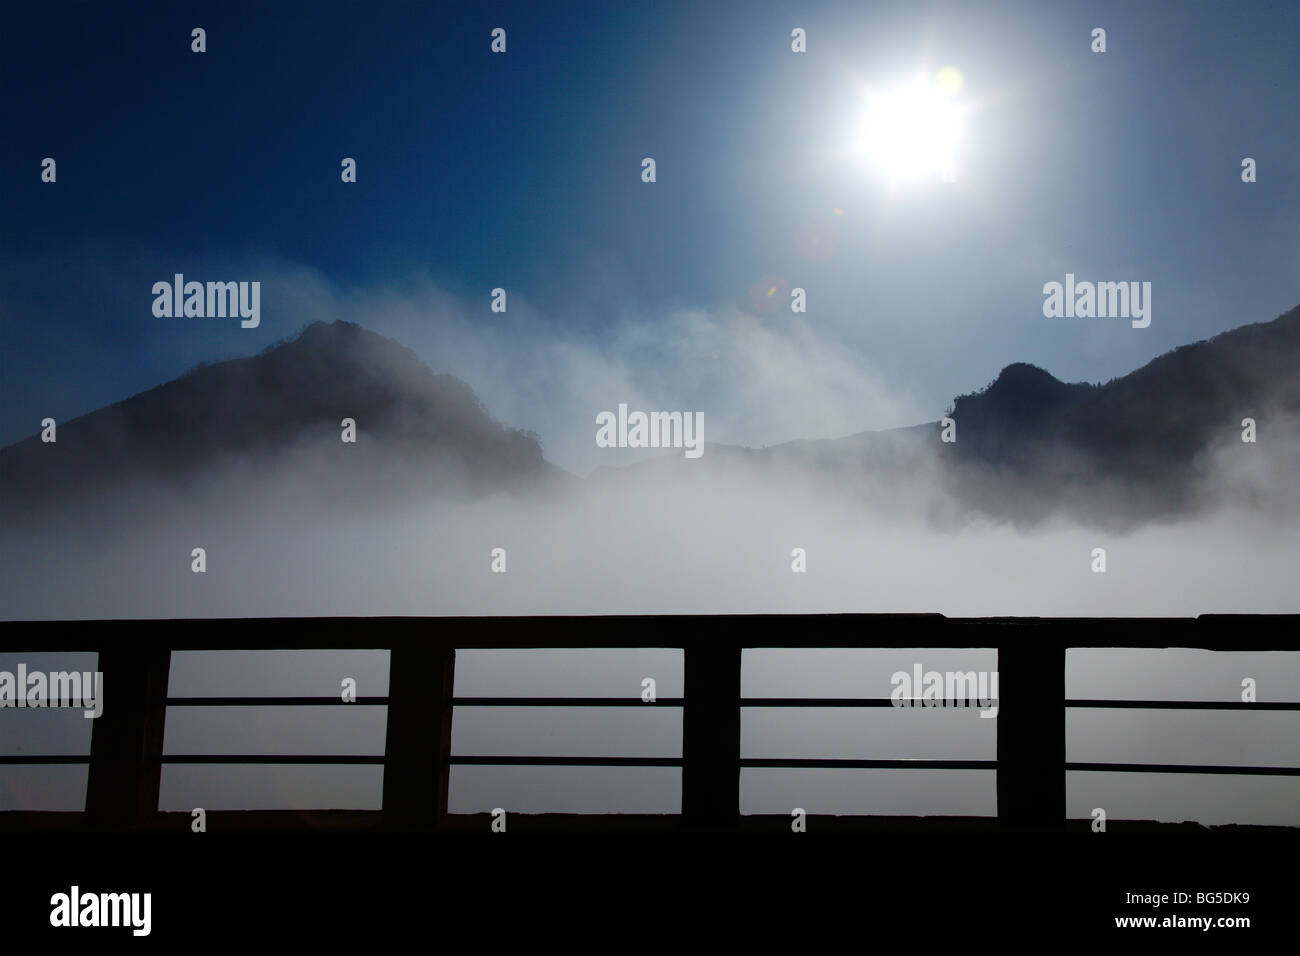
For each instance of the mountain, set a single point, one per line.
(1158, 442)
(263, 419)
(1022, 405)
(1148, 445)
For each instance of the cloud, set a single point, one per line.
(756, 380)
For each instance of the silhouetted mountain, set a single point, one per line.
(1028, 445)
(415, 431)
(1138, 445)
(1023, 401)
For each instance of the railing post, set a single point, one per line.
(711, 736)
(417, 750)
(127, 738)
(1031, 734)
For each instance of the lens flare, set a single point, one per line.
(949, 80)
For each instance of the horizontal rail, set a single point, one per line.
(1208, 631)
(939, 704)
(273, 701)
(792, 763)
(467, 760)
(817, 702)
(1183, 768)
(566, 702)
(633, 701)
(849, 764)
(458, 701)
(745, 762)
(1184, 704)
(355, 759)
(506, 760)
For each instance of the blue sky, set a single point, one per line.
(522, 171)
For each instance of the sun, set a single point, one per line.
(911, 132)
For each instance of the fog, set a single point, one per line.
(664, 538)
(676, 539)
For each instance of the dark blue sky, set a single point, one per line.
(522, 170)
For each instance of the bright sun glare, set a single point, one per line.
(911, 132)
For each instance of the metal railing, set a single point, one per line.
(126, 754)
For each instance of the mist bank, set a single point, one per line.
(657, 540)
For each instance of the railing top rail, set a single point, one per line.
(1209, 632)
(635, 701)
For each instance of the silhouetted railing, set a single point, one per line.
(126, 753)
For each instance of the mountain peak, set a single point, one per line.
(290, 400)
(338, 333)
(1021, 394)
(1021, 374)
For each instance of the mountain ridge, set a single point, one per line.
(1025, 443)
(272, 405)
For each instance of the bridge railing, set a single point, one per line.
(126, 753)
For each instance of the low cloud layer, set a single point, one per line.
(660, 538)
